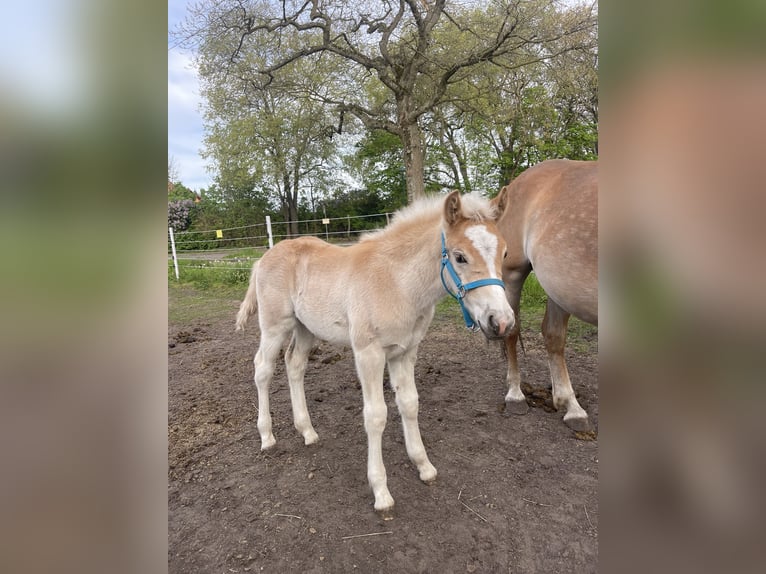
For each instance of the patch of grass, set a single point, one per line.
(209, 274)
(533, 297)
(188, 303)
(447, 309)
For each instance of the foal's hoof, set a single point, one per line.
(516, 407)
(579, 424)
(268, 443)
(386, 513)
(310, 438)
(428, 475)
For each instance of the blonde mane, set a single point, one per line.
(475, 208)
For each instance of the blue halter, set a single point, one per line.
(462, 289)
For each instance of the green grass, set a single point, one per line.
(207, 275)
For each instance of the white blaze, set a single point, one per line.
(486, 244)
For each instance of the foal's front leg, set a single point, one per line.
(370, 362)
(402, 372)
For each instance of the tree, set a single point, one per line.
(389, 69)
(505, 118)
(267, 141)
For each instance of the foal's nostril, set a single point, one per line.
(493, 324)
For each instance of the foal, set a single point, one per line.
(378, 297)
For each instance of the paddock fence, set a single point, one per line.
(235, 248)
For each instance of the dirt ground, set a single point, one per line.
(513, 494)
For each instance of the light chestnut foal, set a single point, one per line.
(549, 219)
(377, 297)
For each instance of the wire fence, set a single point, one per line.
(232, 248)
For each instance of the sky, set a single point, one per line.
(49, 75)
(185, 130)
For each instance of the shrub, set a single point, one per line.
(180, 214)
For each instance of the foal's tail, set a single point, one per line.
(250, 304)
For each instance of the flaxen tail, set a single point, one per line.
(250, 304)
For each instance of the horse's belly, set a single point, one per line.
(332, 328)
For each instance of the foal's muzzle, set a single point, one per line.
(497, 328)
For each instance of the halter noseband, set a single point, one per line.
(462, 289)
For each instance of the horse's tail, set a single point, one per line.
(250, 303)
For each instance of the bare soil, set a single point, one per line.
(513, 494)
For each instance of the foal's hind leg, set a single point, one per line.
(555, 334)
(402, 373)
(271, 343)
(515, 402)
(296, 357)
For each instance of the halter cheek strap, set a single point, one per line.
(462, 289)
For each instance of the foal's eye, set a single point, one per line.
(505, 254)
(460, 258)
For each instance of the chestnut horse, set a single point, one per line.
(548, 216)
(378, 297)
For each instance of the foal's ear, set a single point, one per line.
(452, 208)
(499, 202)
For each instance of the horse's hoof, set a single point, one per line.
(386, 513)
(579, 424)
(267, 444)
(516, 407)
(429, 481)
(311, 438)
(428, 476)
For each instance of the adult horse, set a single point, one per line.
(378, 297)
(548, 216)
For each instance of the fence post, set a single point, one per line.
(268, 231)
(173, 249)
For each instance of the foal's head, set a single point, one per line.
(475, 249)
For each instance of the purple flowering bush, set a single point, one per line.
(180, 214)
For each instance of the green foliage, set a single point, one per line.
(177, 191)
(379, 163)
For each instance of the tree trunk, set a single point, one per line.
(414, 160)
(291, 206)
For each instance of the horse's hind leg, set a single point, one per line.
(296, 357)
(271, 343)
(555, 333)
(515, 402)
(402, 373)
